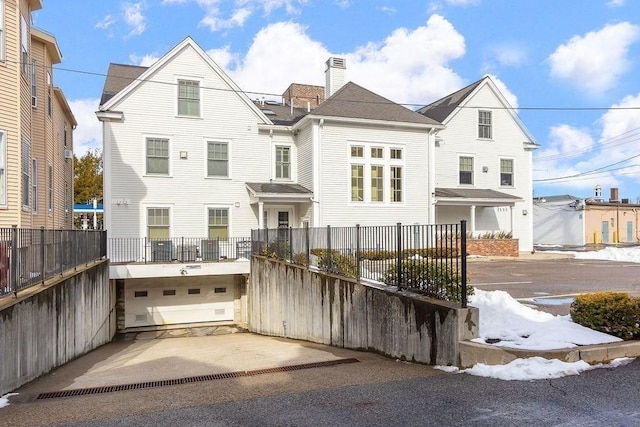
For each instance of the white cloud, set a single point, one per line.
(145, 60)
(463, 2)
(594, 62)
(224, 57)
(215, 23)
(509, 55)
(105, 23)
(134, 18)
(616, 3)
(88, 134)
(409, 66)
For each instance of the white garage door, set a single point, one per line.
(175, 302)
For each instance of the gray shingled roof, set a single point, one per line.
(353, 101)
(278, 188)
(281, 114)
(442, 108)
(473, 193)
(118, 77)
(558, 198)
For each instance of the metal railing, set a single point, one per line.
(31, 256)
(177, 249)
(428, 259)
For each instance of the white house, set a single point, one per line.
(192, 164)
(482, 163)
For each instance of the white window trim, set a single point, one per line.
(473, 171)
(24, 47)
(292, 161)
(177, 83)
(229, 157)
(50, 192)
(34, 185)
(2, 32)
(27, 173)
(145, 217)
(144, 156)
(228, 207)
(513, 173)
(367, 162)
(490, 126)
(3, 166)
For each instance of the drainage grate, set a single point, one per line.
(188, 380)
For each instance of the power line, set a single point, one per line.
(590, 172)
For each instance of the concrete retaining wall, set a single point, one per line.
(290, 301)
(47, 326)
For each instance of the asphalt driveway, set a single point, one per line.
(547, 281)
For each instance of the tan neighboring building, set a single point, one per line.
(36, 125)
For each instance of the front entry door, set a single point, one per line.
(279, 217)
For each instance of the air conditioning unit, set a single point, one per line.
(34, 101)
(161, 250)
(68, 154)
(210, 250)
(187, 252)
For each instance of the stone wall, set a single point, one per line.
(493, 247)
(49, 325)
(291, 301)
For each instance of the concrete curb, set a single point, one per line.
(472, 353)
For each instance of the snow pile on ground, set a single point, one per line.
(505, 322)
(4, 400)
(631, 254)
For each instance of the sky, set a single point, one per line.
(569, 68)
(503, 317)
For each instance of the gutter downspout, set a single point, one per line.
(431, 171)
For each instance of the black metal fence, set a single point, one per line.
(180, 249)
(31, 256)
(428, 259)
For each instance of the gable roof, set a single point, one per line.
(353, 101)
(146, 74)
(119, 76)
(442, 108)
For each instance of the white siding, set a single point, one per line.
(461, 138)
(557, 223)
(151, 110)
(336, 207)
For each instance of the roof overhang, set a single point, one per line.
(367, 122)
(110, 116)
(474, 197)
(65, 105)
(278, 193)
(50, 44)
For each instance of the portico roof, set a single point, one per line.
(474, 197)
(278, 192)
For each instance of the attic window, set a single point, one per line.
(268, 112)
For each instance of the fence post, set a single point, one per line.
(42, 254)
(308, 250)
(290, 244)
(328, 248)
(463, 249)
(14, 259)
(358, 252)
(399, 255)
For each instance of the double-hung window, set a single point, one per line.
(466, 170)
(34, 84)
(189, 98)
(158, 223)
(2, 31)
(24, 47)
(157, 156)
(218, 223)
(34, 185)
(3, 164)
(26, 173)
(49, 94)
(484, 125)
(217, 159)
(50, 187)
(395, 175)
(506, 172)
(357, 174)
(283, 162)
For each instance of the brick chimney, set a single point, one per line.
(334, 75)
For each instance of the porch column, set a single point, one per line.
(512, 219)
(472, 219)
(260, 215)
